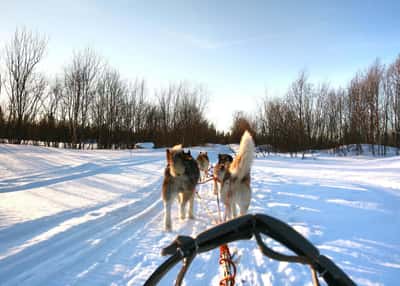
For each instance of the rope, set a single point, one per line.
(225, 257)
(210, 176)
(205, 181)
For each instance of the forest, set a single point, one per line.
(90, 103)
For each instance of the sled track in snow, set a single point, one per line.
(100, 237)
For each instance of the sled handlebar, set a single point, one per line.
(243, 228)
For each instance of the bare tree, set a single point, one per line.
(2, 121)
(190, 105)
(25, 87)
(393, 93)
(387, 112)
(373, 80)
(357, 111)
(181, 109)
(80, 79)
(107, 107)
(136, 106)
(300, 100)
(166, 98)
(52, 101)
(50, 107)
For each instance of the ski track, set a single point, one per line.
(349, 208)
(69, 247)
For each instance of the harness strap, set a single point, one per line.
(205, 181)
(225, 259)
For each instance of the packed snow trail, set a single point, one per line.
(70, 217)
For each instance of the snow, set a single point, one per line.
(94, 217)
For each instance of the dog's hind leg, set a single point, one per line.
(182, 205)
(167, 214)
(233, 209)
(244, 200)
(215, 188)
(191, 206)
(226, 199)
(228, 210)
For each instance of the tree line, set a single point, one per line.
(319, 116)
(90, 102)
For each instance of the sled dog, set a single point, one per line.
(224, 160)
(180, 178)
(235, 187)
(204, 163)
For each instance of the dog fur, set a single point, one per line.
(204, 163)
(180, 178)
(235, 187)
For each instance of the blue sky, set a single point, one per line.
(237, 49)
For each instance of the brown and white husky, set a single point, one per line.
(234, 178)
(204, 163)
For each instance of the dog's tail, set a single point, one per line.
(241, 165)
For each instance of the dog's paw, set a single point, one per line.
(167, 227)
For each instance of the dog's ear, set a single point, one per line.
(219, 157)
(189, 153)
(206, 153)
(230, 158)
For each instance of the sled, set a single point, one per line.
(185, 248)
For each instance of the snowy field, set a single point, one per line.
(95, 217)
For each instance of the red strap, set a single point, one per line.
(230, 267)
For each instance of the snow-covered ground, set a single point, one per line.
(95, 217)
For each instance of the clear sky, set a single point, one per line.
(237, 49)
